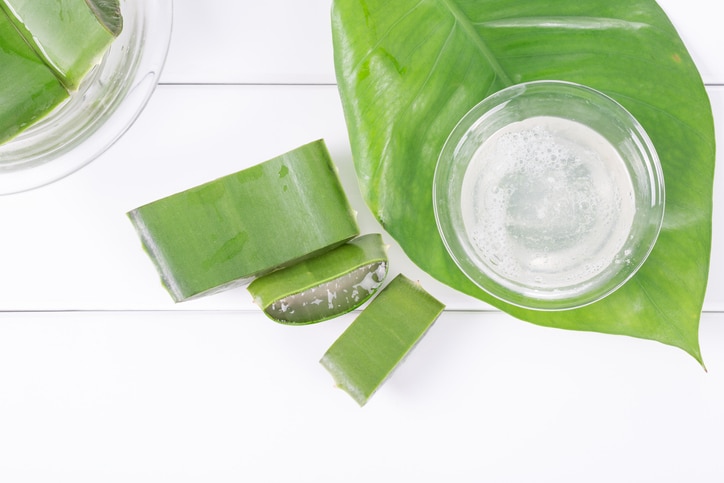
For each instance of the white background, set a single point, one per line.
(104, 379)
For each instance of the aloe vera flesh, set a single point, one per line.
(28, 89)
(70, 35)
(367, 353)
(227, 231)
(108, 13)
(325, 286)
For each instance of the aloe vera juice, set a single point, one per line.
(547, 203)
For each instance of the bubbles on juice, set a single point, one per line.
(547, 203)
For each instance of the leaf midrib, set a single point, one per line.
(469, 28)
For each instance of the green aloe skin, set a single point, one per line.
(384, 333)
(28, 89)
(325, 286)
(409, 70)
(47, 47)
(243, 225)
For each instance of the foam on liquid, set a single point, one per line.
(547, 203)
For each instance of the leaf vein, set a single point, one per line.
(469, 28)
(567, 22)
(378, 173)
(385, 35)
(664, 315)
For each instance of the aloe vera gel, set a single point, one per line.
(548, 202)
(549, 195)
(324, 286)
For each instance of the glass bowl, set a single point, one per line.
(549, 195)
(108, 101)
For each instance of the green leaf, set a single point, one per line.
(367, 353)
(71, 35)
(28, 90)
(409, 70)
(325, 286)
(227, 231)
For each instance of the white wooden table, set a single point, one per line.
(104, 379)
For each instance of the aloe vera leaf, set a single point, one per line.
(109, 15)
(366, 354)
(28, 90)
(227, 231)
(71, 35)
(325, 286)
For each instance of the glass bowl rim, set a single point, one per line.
(441, 179)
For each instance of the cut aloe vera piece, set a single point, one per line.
(366, 354)
(28, 90)
(108, 13)
(325, 286)
(226, 231)
(70, 35)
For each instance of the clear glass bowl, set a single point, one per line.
(107, 103)
(549, 195)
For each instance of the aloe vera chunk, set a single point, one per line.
(108, 13)
(325, 286)
(365, 355)
(28, 90)
(71, 35)
(240, 226)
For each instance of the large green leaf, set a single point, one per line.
(408, 70)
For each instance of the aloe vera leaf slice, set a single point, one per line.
(384, 333)
(227, 231)
(325, 286)
(70, 35)
(28, 89)
(109, 15)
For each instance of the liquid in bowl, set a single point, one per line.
(543, 209)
